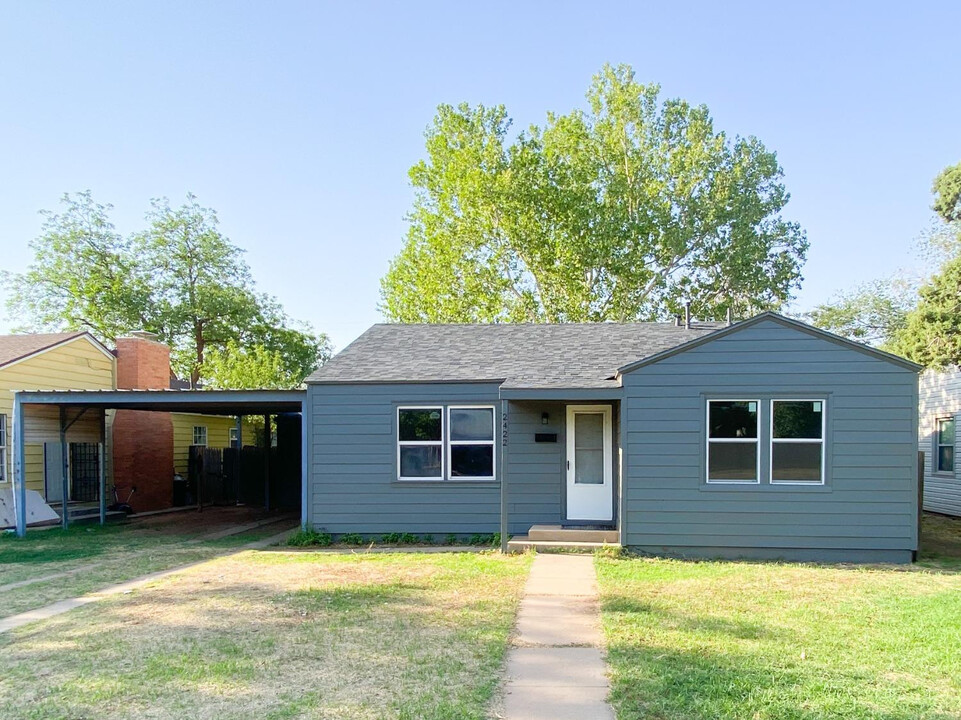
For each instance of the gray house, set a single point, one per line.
(940, 411)
(767, 438)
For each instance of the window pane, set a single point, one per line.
(797, 419)
(946, 458)
(471, 424)
(733, 419)
(796, 462)
(945, 432)
(421, 424)
(733, 461)
(472, 460)
(420, 461)
(589, 431)
(588, 467)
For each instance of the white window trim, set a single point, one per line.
(708, 440)
(194, 435)
(821, 440)
(492, 442)
(3, 448)
(414, 443)
(938, 444)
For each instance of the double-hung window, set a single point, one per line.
(797, 442)
(3, 448)
(200, 435)
(420, 443)
(471, 442)
(732, 443)
(454, 442)
(946, 441)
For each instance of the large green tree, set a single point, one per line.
(621, 212)
(180, 278)
(932, 332)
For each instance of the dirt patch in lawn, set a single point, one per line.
(265, 635)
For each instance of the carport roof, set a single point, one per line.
(202, 402)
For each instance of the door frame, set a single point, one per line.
(608, 414)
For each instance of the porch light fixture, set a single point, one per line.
(545, 418)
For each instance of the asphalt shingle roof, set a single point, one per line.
(569, 355)
(16, 347)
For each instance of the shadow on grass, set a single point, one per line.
(56, 545)
(355, 596)
(740, 629)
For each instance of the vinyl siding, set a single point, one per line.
(940, 397)
(75, 365)
(867, 507)
(352, 457)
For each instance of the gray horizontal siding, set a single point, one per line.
(939, 397)
(535, 471)
(352, 471)
(866, 507)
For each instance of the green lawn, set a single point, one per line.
(765, 641)
(270, 634)
(99, 556)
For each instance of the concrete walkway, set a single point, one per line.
(556, 669)
(58, 608)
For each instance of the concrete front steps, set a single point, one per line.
(555, 537)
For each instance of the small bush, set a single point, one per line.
(612, 552)
(493, 539)
(451, 539)
(409, 539)
(308, 538)
(390, 538)
(429, 539)
(352, 539)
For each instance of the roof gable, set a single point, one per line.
(781, 320)
(17, 348)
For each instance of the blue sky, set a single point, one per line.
(297, 122)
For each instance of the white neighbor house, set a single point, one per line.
(939, 414)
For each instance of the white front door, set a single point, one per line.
(590, 476)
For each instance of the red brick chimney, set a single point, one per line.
(143, 443)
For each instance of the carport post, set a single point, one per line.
(102, 470)
(64, 510)
(240, 454)
(19, 476)
(266, 462)
(304, 464)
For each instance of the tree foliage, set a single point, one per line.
(873, 313)
(236, 367)
(947, 194)
(620, 212)
(932, 332)
(180, 278)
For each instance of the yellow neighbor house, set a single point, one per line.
(49, 361)
(77, 361)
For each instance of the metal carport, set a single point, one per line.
(201, 402)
